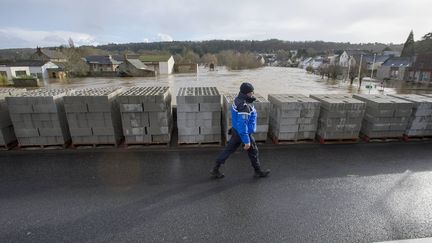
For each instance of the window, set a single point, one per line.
(3, 73)
(20, 73)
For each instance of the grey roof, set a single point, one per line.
(398, 62)
(122, 58)
(24, 63)
(137, 63)
(370, 58)
(355, 52)
(101, 60)
(51, 54)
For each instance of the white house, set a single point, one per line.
(349, 55)
(162, 64)
(14, 72)
(317, 62)
(34, 68)
(305, 63)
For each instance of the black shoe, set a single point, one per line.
(261, 173)
(216, 174)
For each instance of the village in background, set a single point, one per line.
(410, 62)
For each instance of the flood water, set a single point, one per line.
(266, 80)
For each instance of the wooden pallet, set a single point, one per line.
(142, 145)
(93, 145)
(276, 140)
(407, 138)
(338, 141)
(381, 140)
(44, 146)
(202, 144)
(9, 146)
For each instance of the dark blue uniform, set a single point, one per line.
(244, 118)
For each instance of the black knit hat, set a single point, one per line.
(246, 88)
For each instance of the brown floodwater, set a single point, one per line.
(266, 80)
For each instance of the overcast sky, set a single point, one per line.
(28, 23)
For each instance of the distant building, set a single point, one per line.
(133, 67)
(48, 55)
(396, 68)
(305, 63)
(347, 56)
(392, 53)
(261, 59)
(161, 64)
(37, 68)
(422, 68)
(317, 62)
(100, 64)
(333, 59)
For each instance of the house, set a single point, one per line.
(396, 68)
(101, 64)
(37, 68)
(348, 55)
(133, 67)
(305, 63)
(370, 62)
(261, 60)
(333, 59)
(422, 68)
(317, 62)
(161, 64)
(48, 55)
(391, 53)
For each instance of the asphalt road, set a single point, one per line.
(331, 193)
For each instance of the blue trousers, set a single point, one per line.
(232, 146)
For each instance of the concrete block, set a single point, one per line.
(187, 108)
(131, 108)
(160, 130)
(137, 131)
(20, 109)
(158, 107)
(100, 131)
(45, 108)
(210, 130)
(188, 131)
(80, 132)
(165, 138)
(209, 107)
(30, 132)
(47, 132)
(138, 139)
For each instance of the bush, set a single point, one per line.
(3, 80)
(309, 69)
(238, 61)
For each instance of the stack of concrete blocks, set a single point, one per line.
(146, 115)
(39, 118)
(340, 117)
(262, 106)
(385, 117)
(420, 122)
(293, 117)
(7, 134)
(94, 116)
(199, 115)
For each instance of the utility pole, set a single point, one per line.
(373, 66)
(349, 67)
(359, 73)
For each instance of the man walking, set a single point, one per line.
(244, 118)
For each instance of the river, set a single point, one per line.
(266, 80)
